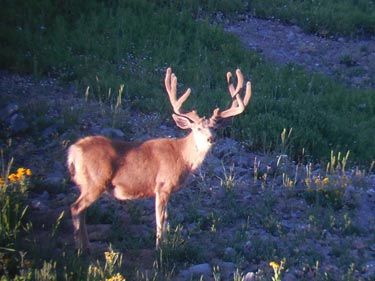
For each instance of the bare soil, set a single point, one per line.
(351, 61)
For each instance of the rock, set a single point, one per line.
(72, 89)
(139, 230)
(359, 244)
(219, 17)
(250, 276)
(289, 277)
(371, 194)
(17, 123)
(44, 196)
(226, 270)
(58, 166)
(247, 248)
(229, 253)
(196, 271)
(55, 178)
(369, 268)
(212, 161)
(8, 111)
(49, 131)
(38, 205)
(349, 191)
(226, 147)
(60, 196)
(97, 248)
(243, 160)
(112, 133)
(63, 199)
(291, 36)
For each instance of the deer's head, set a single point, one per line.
(203, 128)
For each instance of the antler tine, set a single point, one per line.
(237, 108)
(171, 87)
(247, 94)
(239, 86)
(238, 104)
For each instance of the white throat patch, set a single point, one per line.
(201, 142)
(201, 139)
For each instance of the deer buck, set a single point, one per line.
(157, 167)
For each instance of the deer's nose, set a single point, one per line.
(211, 139)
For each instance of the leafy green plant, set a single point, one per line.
(175, 249)
(13, 193)
(238, 276)
(285, 140)
(325, 197)
(337, 164)
(97, 214)
(117, 106)
(347, 60)
(228, 181)
(47, 272)
(13, 207)
(260, 249)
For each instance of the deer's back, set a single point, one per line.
(127, 169)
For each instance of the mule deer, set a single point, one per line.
(157, 167)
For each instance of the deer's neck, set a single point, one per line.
(193, 153)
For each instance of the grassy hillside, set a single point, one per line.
(102, 45)
(259, 214)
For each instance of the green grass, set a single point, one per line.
(104, 45)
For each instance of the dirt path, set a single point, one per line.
(348, 60)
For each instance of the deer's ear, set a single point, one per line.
(182, 122)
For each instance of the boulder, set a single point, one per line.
(196, 271)
(112, 133)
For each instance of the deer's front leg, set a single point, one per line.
(161, 202)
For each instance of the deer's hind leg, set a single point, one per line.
(78, 211)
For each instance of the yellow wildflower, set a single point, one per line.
(274, 265)
(109, 257)
(117, 277)
(13, 178)
(94, 271)
(28, 172)
(307, 182)
(325, 181)
(277, 269)
(2, 182)
(21, 171)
